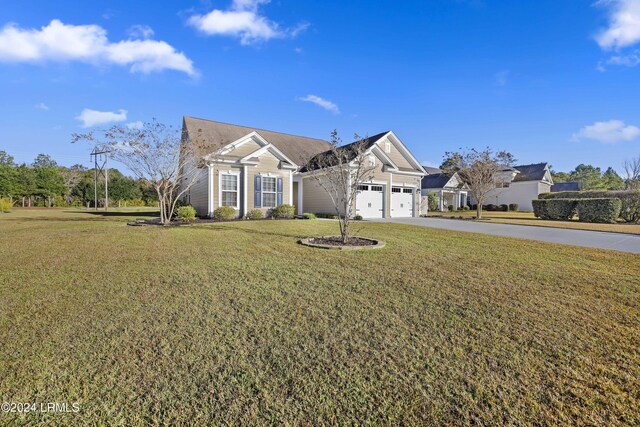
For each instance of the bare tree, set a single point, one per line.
(340, 171)
(481, 170)
(156, 153)
(632, 173)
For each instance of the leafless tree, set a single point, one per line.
(632, 173)
(340, 171)
(159, 154)
(481, 170)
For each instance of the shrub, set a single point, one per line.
(255, 214)
(325, 215)
(135, 203)
(491, 207)
(558, 209)
(283, 212)
(450, 208)
(308, 215)
(474, 207)
(630, 199)
(357, 218)
(432, 201)
(224, 212)
(186, 213)
(599, 210)
(514, 207)
(504, 208)
(5, 205)
(465, 208)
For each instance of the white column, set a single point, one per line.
(290, 188)
(210, 207)
(245, 179)
(300, 196)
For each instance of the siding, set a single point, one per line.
(245, 149)
(395, 155)
(268, 165)
(314, 198)
(521, 193)
(198, 193)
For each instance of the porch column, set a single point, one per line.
(210, 207)
(441, 207)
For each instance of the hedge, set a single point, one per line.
(555, 209)
(283, 212)
(225, 212)
(598, 210)
(630, 208)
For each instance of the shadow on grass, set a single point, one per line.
(123, 214)
(249, 231)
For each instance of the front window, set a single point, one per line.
(230, 190)
(268, 192)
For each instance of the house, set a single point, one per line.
(249, 168)
(565, 186)
(520, 185)
(450, 189)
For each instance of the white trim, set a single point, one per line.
(405, 151)
(245, 187)
(274, 150)
(229, 172)
(210, 206)
(290, 188)
(384, 157)
(270, 175)
(255, 136)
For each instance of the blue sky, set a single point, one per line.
(554, 81)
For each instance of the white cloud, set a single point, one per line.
(624, 24)
(630, 60)
(42, 106)
(243, 21)
(608, 132)
(141, 32)
(90, 118)
(321, 102)
(89, 44)
(135, 125)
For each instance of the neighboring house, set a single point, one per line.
(248, 168)
(521, 184)
(565, 186)
(451, 190)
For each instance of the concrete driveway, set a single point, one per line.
(590, 239)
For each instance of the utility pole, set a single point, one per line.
(100, 158)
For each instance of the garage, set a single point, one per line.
(370, 201)
(401, 202)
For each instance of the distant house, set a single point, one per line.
(565, 186)
(521, 184)
(450, 189)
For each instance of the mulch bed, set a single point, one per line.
(337, 241)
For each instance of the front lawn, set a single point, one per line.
(236, 323)
(527, 218)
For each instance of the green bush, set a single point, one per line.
(514, 207)
(465, 208)
(308, 215)
(504, 208)
(255, 214)
(450, 208)
(599, 210)
(186, 213)
(225, 212)
(326, 215)
(357, 218)
(432, 201)
(283, 212)
(630, 199)
(5, 205)
(135, 203)
(558, 209)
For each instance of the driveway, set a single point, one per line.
(590, 239)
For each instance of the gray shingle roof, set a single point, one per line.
(217, 134)
(565, 186)
(327, 157)
(431, 170)
(534, 172)
(436, 180)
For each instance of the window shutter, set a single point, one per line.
(279, 195)
(257, 199)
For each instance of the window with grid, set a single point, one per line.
(269, 189)
(229, 190)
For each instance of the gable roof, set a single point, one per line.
(565, 186)
(431, 170)
(217, 134)
(435, 180)
(327, 158)
(533, 172)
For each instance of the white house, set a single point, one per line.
(521, 184)
(450, 189)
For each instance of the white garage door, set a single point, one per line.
(370, 201)
(401, 202)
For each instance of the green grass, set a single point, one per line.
(237, 324)
(527, 218)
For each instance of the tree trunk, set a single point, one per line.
(479, 211)
(23, 201)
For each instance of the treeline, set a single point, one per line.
(592, 178)
(45, 183)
